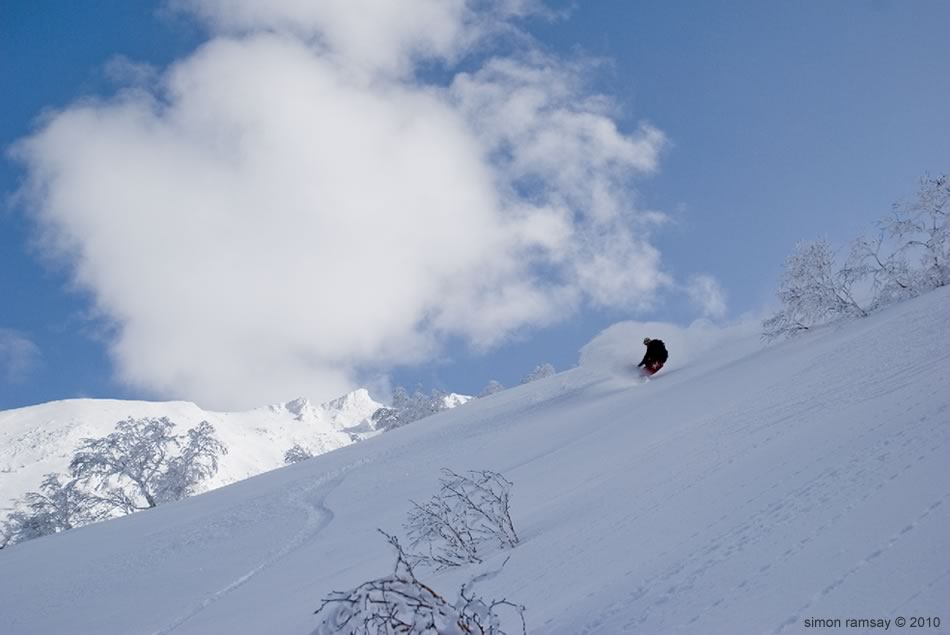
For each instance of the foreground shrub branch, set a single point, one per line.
(457, 526)
(401, 604)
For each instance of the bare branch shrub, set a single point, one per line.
(401, 604)
(459, 524)
(480, 615)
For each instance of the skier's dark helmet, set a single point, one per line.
(646, 340)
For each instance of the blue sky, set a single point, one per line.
(782, 122)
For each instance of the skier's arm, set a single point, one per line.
(644, 360)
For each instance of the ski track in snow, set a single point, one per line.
(318, 517)
(311, 498)
(877, 553)
(867, 470)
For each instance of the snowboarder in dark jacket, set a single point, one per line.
(655, 357)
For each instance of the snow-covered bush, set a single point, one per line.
(812, 292)
(468, 516)
(539, 372)
(400, 604)
(297, 454)
(56, 507)
(491, 388)
(143, 464)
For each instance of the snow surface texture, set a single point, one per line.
(41, 439)
(734, 493)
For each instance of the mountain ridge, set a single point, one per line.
(38, 439)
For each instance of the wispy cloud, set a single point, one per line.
(19, 357)
(707, 295)
(291, 204)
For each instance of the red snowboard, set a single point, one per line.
(651, 368)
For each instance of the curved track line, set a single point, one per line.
(319, 516)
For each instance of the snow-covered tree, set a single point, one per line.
(491, 388)
(65, 505)
(539, 372)
(21, 526)
(812, 292)
(436, 401)
(196, 461)
(143, 464)
(296, 454)
(407, 408)
(890, 273)
(56, 507)
(922, 232)
(386, 419)
(397, 414)
(401, 399)
(911, 254)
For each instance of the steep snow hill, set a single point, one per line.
(740, 491)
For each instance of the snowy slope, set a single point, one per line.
(741, 491)
(41, 439)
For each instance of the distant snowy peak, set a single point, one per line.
(41, 439)
(348, 411)
(359, 399)
(356, 406)
(454, 400)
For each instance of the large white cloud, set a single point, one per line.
(290, 205)
(370, 36)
